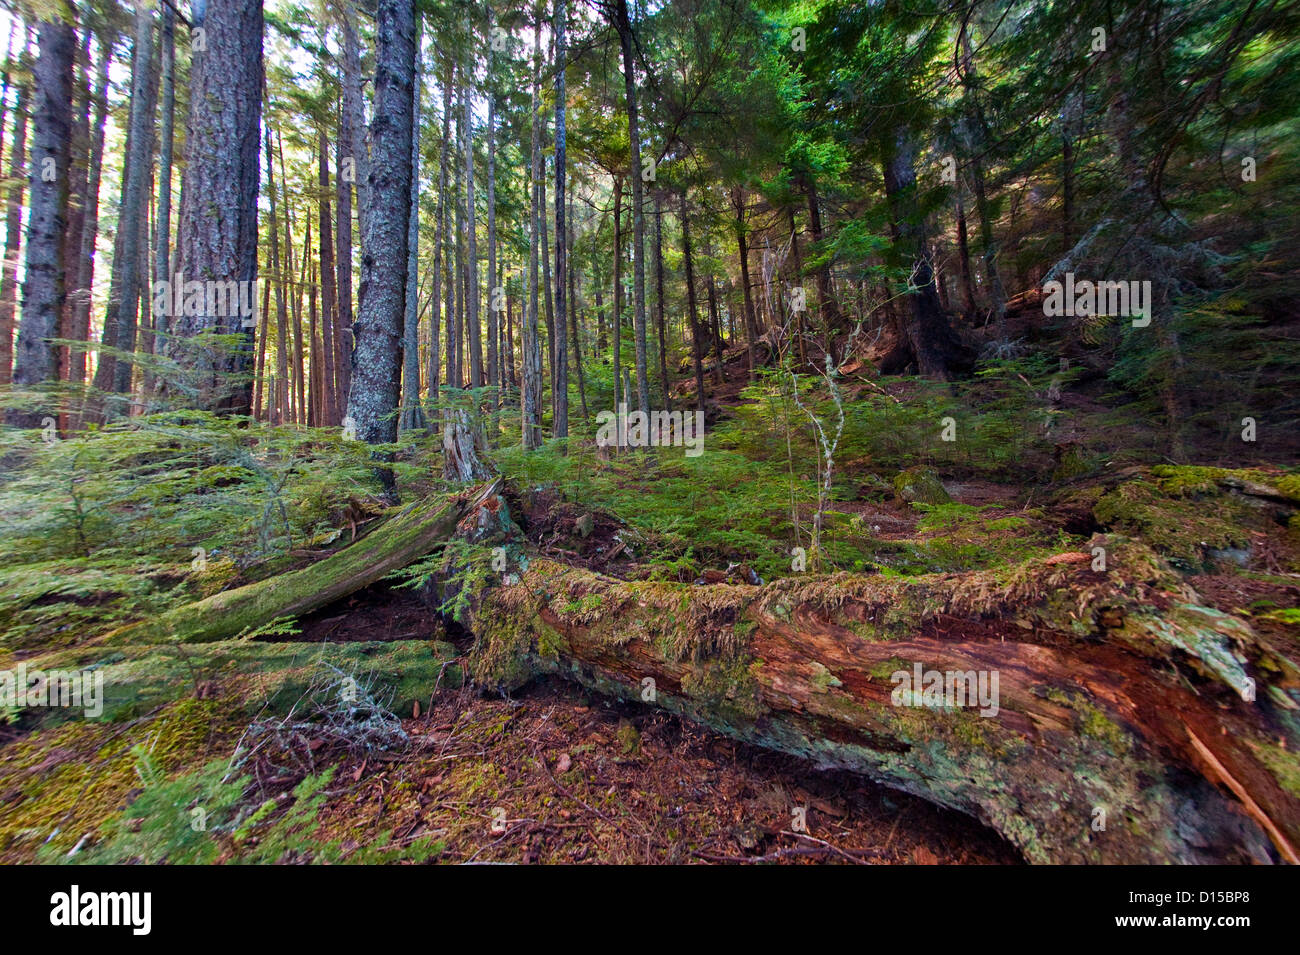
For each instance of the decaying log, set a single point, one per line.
(399, 541)
(1124, 730)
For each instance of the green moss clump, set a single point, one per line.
(920, 485)
(1180, 529)
(725, 686)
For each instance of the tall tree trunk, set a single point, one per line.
(970, 79)
(659, 302)
(935, 347)
(561, 382)
(574, 347)
(13, 234)
(329, 404)
(221, 173)
(439, 245)
(969, 308)
(376, 369)
(547, 289)
(79, 160)
(163, 246)
(354, 111)
(412, 413)
(316, 377)
(473, 324)
(114, 374)
(531, 392)
(292, 291)
(832, 318)
(616, 322)
(697, 346)
(279, 407)
(90, 230)
(625, 39)
(343, 169)
(742, 253)
(43, 289)
(493, 312)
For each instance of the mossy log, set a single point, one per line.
(1126, 728)
(399, 541)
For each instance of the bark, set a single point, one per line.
(218, 217)
(575, 348)
(376, 368)
(439, 245)
(36, 360)
(329, 405)
(697, 346)
(493, 312)
(163, 245)
(560, 385)
(279, 407)
(80, 329)
(354, 110)
(79, 158)
(1124, 718)
(412, 413)
(291, 288)
(659, 303)
(13, 234)
(343, 263)
(473, 325)
(616, 321)
(625, 37)
(742, 253)
(531, 392)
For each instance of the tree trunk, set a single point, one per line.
(410, 535)
(218, 220)
(473, 324)
(279, 407)
(560, 385)
(80, 329)
(329, 297)
(934, 346)
(531, 392)
(440, 243)
(343, 263)
(1120, 720)
(742, 253)
(36, 361)
(493, 311)
(412, 413)
(376, 367)
(114, 374)
(354, 111)
(13, 233)
(659, 303)
(697, 346)
(163, 246)
(625, 39)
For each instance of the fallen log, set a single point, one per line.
(399, 541)
(1124, 727)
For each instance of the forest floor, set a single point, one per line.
(243, 729)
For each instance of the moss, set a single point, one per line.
(1282, 763)
(725, 686)
(1181, 529)
(920, 485)
(823, 679)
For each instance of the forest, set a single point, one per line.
(650, 431)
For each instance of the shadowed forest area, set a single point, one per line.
(650, 431)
